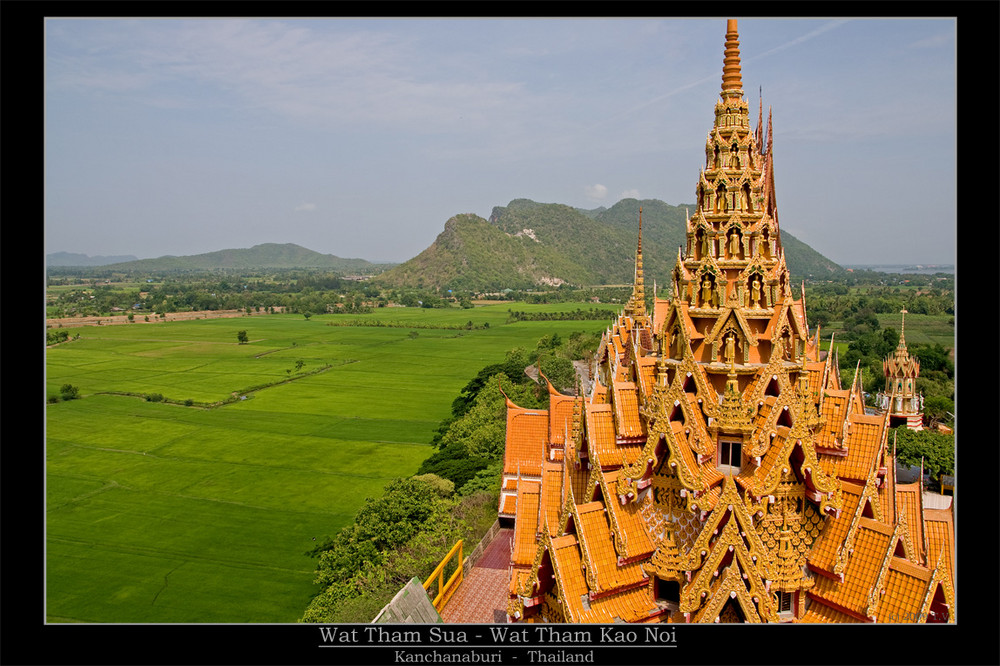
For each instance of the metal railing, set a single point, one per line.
(446, 589)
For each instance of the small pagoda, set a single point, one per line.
(899, 399)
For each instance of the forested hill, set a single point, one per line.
(266, 255)
(528, 244)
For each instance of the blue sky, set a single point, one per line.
(361, 137)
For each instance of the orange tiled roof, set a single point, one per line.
(834, 411)
(626, 402)
(599, 395)
(633, 539)
(939, 528)
(599, 550)
(762, 417)
(646, 374)
(526, 523)
(753, 477)
(560, 418)
(568, 569)
(905, 586)
(575, 479)
(632, 605)
(551, 497)
(828, 544)
(527, 433)
(508, 504)
(871, 546)
(821, 613)
(864, 442)
(909, 503)
(660, 308)
(602, 445)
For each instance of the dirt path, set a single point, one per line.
(71, 322)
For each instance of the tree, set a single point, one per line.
(242, 337)
(69, 392)
(935, 450)
(482, 428)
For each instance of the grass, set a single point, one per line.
(920, 329)
(164, 513)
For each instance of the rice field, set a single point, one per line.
(160, 512)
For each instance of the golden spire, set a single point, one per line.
(637, 304)
(732, 80)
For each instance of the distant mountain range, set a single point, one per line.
(75, 259)
(264, 256)
(527, 244)
(523, 245)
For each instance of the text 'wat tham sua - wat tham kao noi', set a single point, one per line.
(717, 470)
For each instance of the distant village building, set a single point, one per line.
(900, 399)
(717, 470)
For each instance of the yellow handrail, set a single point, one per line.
(446, 589)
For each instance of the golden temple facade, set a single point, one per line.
(717, 471)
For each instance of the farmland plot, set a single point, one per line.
(162, 512)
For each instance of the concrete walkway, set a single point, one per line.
(482, 596)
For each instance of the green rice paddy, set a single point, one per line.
(159, 512)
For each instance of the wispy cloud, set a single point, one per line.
(596, 192)
(307, 207)
(812, 34)
(311, 72)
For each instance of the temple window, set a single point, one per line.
(730, 456)
(784, 602)
(668, 591)
(785, 418)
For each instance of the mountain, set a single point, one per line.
(528, 244)
(76, 259)
(471, 254)
(264, 256)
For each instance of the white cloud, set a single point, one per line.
(306, 206)
(629, 194)
(596, 192)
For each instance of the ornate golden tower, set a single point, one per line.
(899, 398)
(719, 471)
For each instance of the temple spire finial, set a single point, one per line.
(732, 79)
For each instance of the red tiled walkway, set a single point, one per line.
(482, 596)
